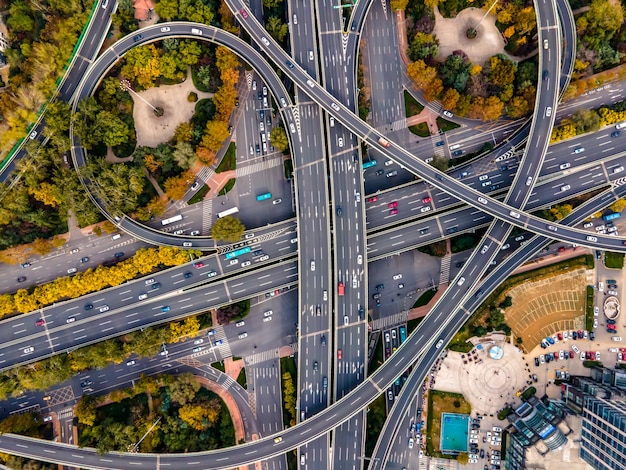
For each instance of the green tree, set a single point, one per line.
(501, 70)
(560, 211)
(398, 4)
(228, 229)
(462, 458)
(20, 18)
(423, 46)
(455, 72)
(272, 3)
(278, 138)
(277, 29)
(184, 155)
(86, 410)
(114, 130)
(167, 9)
(440, 163)
(184, 388)
(215, 134)
(598, 26)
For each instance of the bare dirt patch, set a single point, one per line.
(545, 306)
(152, 130)
(452, 36)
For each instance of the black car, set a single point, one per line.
(545, 74)
(21, 279)
(119, 254)
(88, 307)
(156, 285)
(456, 153)
(452, 230)
(482, 453)
(289, 64)
(478, 293)
(460, 264)
(85, 383)
(380, 172)
(380, 286)
(537, 361)
(612, 286)
(258, 253)
(574, 335)
(615, 134)
(84, 259)
(338, 210)
(611, 322)
(188, 275)
(323, 340)
(138, 38)
(592, 335)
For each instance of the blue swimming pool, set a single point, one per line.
(454, 433)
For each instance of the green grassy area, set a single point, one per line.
(289, 377)
(199, 196)
(228, 186)
(466, 241)
(425, 298)
(229, 162)
(590, 364)
(438, 403)
(219, 365)
(288, 165)
(411, 325)
(241, 378)
(411, 105)
(614, 260)
(445, 125)
(589, 311)
(377, 360)
(420, 129)
(375, 420)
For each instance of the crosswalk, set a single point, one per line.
(207, 215)
(393, 127)
(444, 276)
(205, 174)
(65, 413)
(390, 321)
(259, 166)
(260, 357)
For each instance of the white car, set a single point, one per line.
(596, 311)
(548, 111)
(529, 180)
(359, 259)
(325, 295)
(461, 281)
(579, 150)
(340, 141)
(246, 263)
(447, 113)
(545, 43)
(411, 441)
(482, 200)
(425, 209)
(143, 296)
(265, 41)
(242, 335)
(264, 258)
(104, 308)
(198, 341)
(131, 363)
(483, 177)
(311, 57)
(70, 320)
(616, 338)
(233, 262)
(566, 187)
(397, 276)
(165, 29)
(564, 166)
(240, 323)
(29, 350)
(266, 319)
(312, 265)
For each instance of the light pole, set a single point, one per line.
(125, 85)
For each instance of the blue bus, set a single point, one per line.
(369, 164)
(264, 196)
(239, 252)
(402, 334)
(614, 215)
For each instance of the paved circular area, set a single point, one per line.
(486, 383)
(611, 308)
(451, 33)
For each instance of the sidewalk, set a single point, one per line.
(427, 115)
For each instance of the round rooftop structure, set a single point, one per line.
(496, 353)
(611, 308)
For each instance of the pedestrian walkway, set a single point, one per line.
(262, 356)
(207, 215)
(390, 321)
(65, 413)
(444, 274)
(259, 166)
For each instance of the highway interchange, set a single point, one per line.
(287, 272)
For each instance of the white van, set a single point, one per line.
(117, 236)
(621, 125)
(455, 146)
(196, 31)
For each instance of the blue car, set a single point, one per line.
(219, 341)
(165, 308)
(550, 340)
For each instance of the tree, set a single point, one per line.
(206, 156)
(41, 246)
(86, 410)
(184, 155)
(398, 4)
(114, 130)
(167, 9)
(20, 17)
(277, 29)
(184, 388)
(560, 211)
(618, 206)
(278, 138)
(600, 23)
(501, 70)
(187, 328)
(176, 186)
(450, 98)
(272, 3)
(228, 229)
(183, 132)
(455, 72)
(462, 458)
(423, 46)
(216, 132)
(440, 163)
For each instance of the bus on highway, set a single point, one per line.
(369, 164)
(264, 196)
(171, 220)
(239, 252)
(613, 215)
(232, 211)
(384, 142)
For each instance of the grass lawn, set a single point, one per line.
(446, 125)
(441, 402)
(420, 129)
(614, 260)
(229, 162)
(411, 105)
(241, 378)
(199, 196)
(229, 185)
(425, 298)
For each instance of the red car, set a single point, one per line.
(560, 336)
(562, 249)
(622, 349)
(243, 13)
(198, 264)
(611, 327)
(555, 355)
(426, 200)
(373, 199)
(571, 354)
(393, 204)
(393, 211)
(592, 355)
(40, 322)
(339, 354)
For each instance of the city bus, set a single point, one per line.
(171, 220)
(264, 196)
(239, 252)
(611, 216)
(369, 164)
(231, 211)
